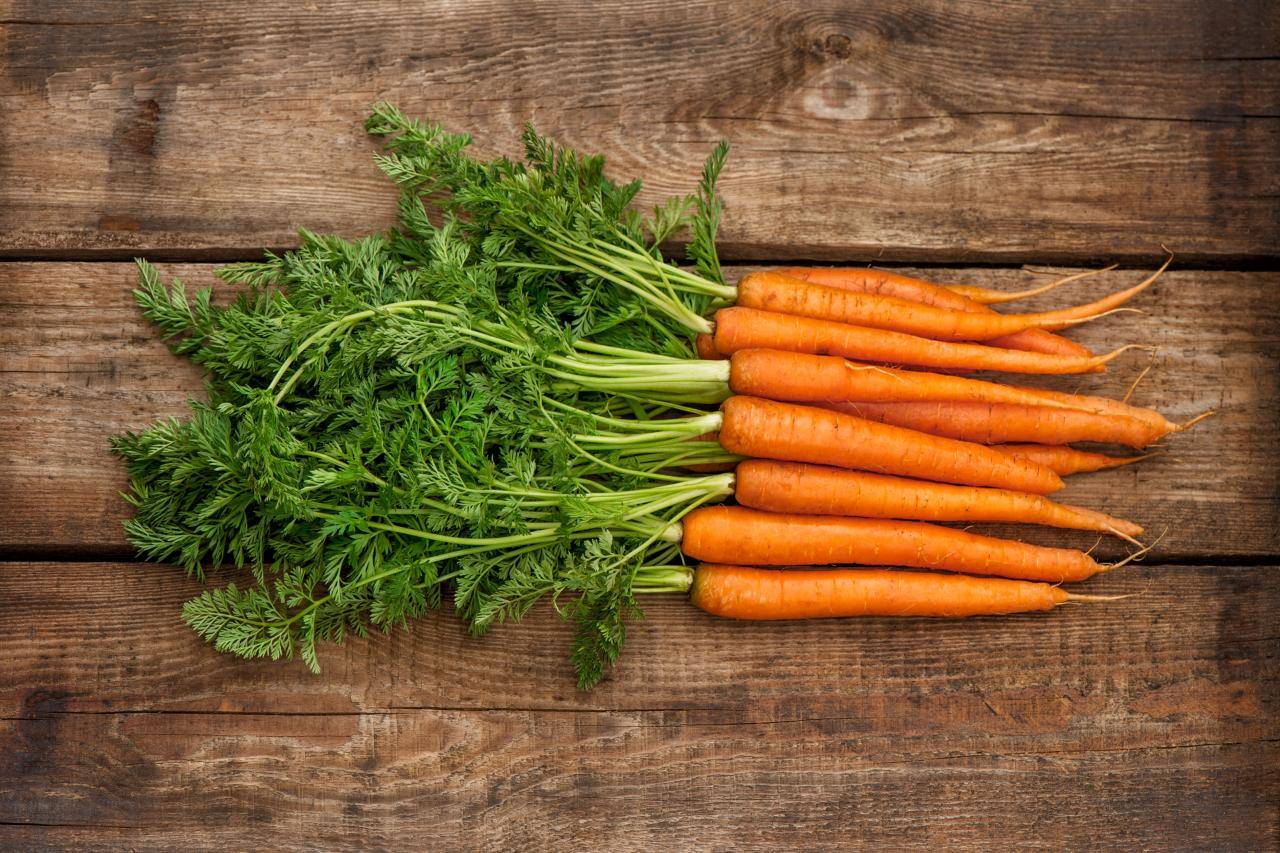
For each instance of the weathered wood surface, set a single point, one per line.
(83, 365)
(1069, 130)
(1150, 722)
(946, 132)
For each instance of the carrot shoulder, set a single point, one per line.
(743, 592)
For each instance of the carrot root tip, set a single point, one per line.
(1197, 419)
(1079, 598)
(1125, 536)
(1136, 555)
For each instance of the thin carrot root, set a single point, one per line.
(1079, 598)
(1136, 555)
(1125, 536)
(987, 296)
(1103, 359)
(1079, 320)
(1134, 386)
(1197, 419)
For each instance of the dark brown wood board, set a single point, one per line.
(934, 130)
(1148, 722)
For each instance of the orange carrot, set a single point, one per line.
(904, 287)
(774, 292)
(819, 490)
(1104, 405)
(745, 328)
(735, 534)
(1068, 460)
(1000, 423)
(803, 378)
(766, 429)
(743, 592)
(989, 296)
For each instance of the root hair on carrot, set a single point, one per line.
(1081, 598)
(1134, 386)
(1197, 419)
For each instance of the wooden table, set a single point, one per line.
(974, 138)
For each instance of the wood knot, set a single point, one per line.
(836, 46)
(136, 129)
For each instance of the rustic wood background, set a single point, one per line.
(976, 138)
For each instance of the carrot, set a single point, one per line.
(904, 287)
(774, 292)
(1104, 405)
(1000, 423)
(804, 378)
(1067, 460)
(746, 328)
(743, 592)
(818, 490)
(763, 428)
(735, 534)
(988, 296)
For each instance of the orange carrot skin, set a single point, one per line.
(1105, 405)
(792, 433)
(738, 535)
(743, 592)
(706, 347)
(796, 488)
(746, 328)
(774, 292)
(904, 287)
(1066, 460)
(1000, 423)
(805, 378)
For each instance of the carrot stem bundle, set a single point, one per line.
(743, 592)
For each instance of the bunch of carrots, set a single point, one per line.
(802, 437)
(877, 453)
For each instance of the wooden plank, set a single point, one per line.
(1150, 721)
(85, 366)
(933, 130)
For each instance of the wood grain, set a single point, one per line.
(1150, 722)
(935, 130)
(83, 366)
